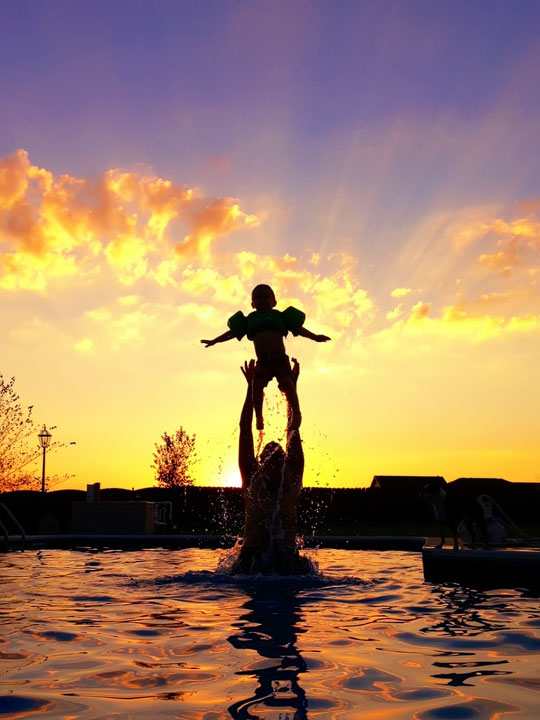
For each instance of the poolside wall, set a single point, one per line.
(211, 510)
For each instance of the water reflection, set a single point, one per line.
(367, 638)
(477, 622)
(468, 612)
(456, 679)
(270, 627)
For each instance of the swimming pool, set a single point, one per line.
(158, 634)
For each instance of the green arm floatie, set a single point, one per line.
(237, 324)
(294, 319)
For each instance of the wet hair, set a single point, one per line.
(270, 473)
(272, 456)
(262, 287)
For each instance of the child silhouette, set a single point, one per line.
(267, 327)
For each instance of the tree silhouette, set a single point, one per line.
(174, 458)
(16, 453)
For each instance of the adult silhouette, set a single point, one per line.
(271, 487)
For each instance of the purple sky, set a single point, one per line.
(169, 83)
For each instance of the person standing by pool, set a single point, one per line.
(271, 487)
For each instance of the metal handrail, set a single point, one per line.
(3, 528)
(15, 522)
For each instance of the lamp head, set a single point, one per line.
(44, 437)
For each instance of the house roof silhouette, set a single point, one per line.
(403, 484)
(474, 486)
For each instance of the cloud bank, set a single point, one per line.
(473, 272)
(127, 222)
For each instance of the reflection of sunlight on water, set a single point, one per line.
(158, 633)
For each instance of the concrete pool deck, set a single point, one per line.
(514, 564)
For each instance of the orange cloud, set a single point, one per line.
(420, 311)
(525, 323)
(400, 292)
(49, 225)
(210, 282)
(479, 305)
(86, 345)
(16, 173)
(504, 260)
(517, 244)
(211, 221)
(465, 321)
(144, 231)
(125, 324)
(395, 313)
(468, 245)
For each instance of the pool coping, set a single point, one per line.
(126, 542)
(512, 564)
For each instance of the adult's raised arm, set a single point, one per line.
(246, 451)
(293, 473)
(294, 463)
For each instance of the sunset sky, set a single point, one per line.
(377, 163)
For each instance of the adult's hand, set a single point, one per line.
(295, 370)
(248, 370)
(322, 338)
(208, 343)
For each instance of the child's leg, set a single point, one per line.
(257, 390)
(286, 385)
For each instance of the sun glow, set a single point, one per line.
(230, 477)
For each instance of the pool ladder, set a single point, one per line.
(4, 530)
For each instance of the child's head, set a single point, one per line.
(272, 459)
(263, 298)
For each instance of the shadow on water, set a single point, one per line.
(270, 628)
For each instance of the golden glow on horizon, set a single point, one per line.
(115, 280)
(230, 477)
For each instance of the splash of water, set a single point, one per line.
(273, 559)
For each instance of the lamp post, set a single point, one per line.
(44, 442)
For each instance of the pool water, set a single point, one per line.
(159, 634)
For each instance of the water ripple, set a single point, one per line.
(159, 633)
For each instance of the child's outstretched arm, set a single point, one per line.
(220, 338)
(304, 332)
